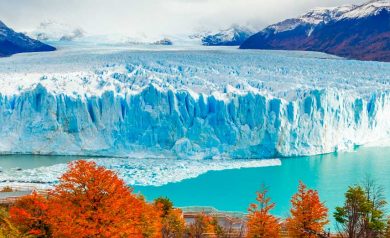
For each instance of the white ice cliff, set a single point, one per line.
(191, 104)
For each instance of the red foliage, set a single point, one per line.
(308, 214)
(203, 224)
(91, 201)
(261, 224)
(151, 220)
(29, 215)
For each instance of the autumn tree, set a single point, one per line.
(164, 204)
(151, 220)
(91, 201)
(220, 231)
(7, 228)
(29, 215)
(203, 224)
(308, 214)
(261, 224)
(173, 224)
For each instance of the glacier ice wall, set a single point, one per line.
(177, 123)
(214, 103)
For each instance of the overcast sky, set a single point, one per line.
(154, 17)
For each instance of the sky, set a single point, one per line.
(155, 17)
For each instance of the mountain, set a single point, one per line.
(54, 31)
(228, 37)
(352, 31)
(164, 41)
(12, 42)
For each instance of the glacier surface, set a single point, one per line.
(162, 101)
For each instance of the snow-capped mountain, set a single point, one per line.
(371, 8)
(164, 41)
(310, 20)
(352, 31)
(228, 37)
(54, 31)
(12, 42)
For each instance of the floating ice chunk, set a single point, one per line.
(136, 171)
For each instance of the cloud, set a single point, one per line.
(155, 17)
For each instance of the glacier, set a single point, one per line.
(167, 102)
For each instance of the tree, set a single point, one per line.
(375, 224)
(173, 224)
(91, 201)
(165, 205)
(7, 228)
(350, 217)
(151, 220)
(29, 215)
(308, 214)
(387, 232)
(203, 224)
(261, 224)
(363, 212)
(217, 229)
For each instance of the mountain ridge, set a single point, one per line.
(12, 42)
(352, 31)
(232, 36)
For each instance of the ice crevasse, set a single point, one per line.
(178, 123)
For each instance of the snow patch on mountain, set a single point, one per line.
(55, 31)
(324, 15)
(60, 32)
(234, 35)
(368, 9)
(311, 19)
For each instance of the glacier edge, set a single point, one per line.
(159, 122)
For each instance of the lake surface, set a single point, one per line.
(234, 189)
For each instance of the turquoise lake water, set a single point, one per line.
(233, 190)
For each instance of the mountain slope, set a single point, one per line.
(229, 37)
(358, 32)
(54, 31)
(365, 39)
(12, 42)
